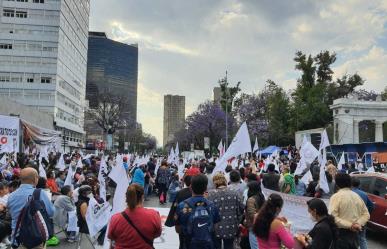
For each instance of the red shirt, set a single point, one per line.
(193, 171)
(147, 221)
(51, 184)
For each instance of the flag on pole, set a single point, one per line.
(221, 149)
(240, 144)
(69, 177)
(101, 179)
(177, 152)
(324, 140)
(341, 162)
(256, 147)
(323, 178)
(42, 171)
(61, 164)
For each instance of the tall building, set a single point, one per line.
(217, 94)
(174, 116)
(111, 67)
(43, 59)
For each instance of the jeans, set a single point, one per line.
(253, 240)
(227, 243)
(146, 190)
(363, 239)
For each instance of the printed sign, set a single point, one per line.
(9, 134)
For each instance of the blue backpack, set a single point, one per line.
(34, 227)
(200, 225)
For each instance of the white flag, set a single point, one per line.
(308, 152)
(101, 179)
(240, 144)
(301, 166)
(119, 200)
(42, 171)
(97, 216)
(323, 178)
(69, 177)
(3, 160)
(307, 178)
(371, 169)
(221, 149)
(177, 152)
(61, 164)
(79, 163)
(256, 147)
(324, 140)
(341, 162)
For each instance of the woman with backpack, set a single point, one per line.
(136, 227)
(324, 233)
(230, 205)
(254, 202)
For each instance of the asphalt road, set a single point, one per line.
(375, 240)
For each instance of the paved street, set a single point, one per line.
(375, 240)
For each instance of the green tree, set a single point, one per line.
(384, 94)
(228, 93)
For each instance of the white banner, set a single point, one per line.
(97, 216)
(295, 210)
(9, 134)
(169, 238)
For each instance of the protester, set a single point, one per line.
(139, 177)
(4, 193)
(300, 186)
(355, 182)
(288, 187)
(269, 228)
(60, 180)
(174, 187)
(136, 227)
(17, 200)
(236, 183)
(271, 179)
(182, 195)
(350, 212)
(51, 183)
(312, 186)
(84, 195)
(162, 180)
(229, 204)
(254, 202)
(324, 233)
(63, 205)
(194, 211)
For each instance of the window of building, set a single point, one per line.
(30, 80)
(5, 46)
(4, 78)
(46, 80)
(24, 1)
(38, 1)
(21, 14)
(8, 13)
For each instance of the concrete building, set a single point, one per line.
(217, 94)
(348, 113)
(111, 67)
(174, 116)
(43, 59)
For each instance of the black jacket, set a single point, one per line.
(182, 195)
(323, 235)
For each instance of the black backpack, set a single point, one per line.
(33, 227)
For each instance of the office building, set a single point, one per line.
(112, 67)
(174, 116)
(43, 59)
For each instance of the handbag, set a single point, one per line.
(149, 242)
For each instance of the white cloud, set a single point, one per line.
(123, 35)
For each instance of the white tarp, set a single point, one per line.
(9, 134)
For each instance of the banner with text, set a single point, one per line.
(9, 134)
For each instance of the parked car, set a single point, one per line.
(375, 185)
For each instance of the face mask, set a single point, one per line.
(90, 195)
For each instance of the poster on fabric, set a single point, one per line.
(97, 216)
(169, 238)
(295, 210)
(9, 134)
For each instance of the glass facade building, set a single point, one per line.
(112, 67)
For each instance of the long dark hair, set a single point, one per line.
(254, 190)
(266, 215)
(322, 211)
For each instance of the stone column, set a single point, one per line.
(356, 131)
(378, 131)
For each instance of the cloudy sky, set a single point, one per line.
(185, 46)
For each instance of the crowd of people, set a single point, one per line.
(209, 209)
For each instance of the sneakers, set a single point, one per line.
(6, 241)
(54, 241)
(3, 246)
